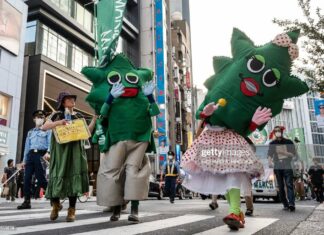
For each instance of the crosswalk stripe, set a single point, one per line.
(37, 216)
(150, 226)
(60, 225)
(320, 207)
(14, 210)
(252, 225)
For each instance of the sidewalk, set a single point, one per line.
(313, 224)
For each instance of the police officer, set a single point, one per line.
(171, 171)
(36, 148)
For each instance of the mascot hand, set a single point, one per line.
(148, 88)
(210, 108)
(117, 90)
(99, 130)
(261, 116)
(102, 140)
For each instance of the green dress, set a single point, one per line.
(68, 174)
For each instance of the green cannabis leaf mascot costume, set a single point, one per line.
(254, 84)
(122, 95)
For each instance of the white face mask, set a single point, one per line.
(278, 134)
(170, 157)
(39, 121)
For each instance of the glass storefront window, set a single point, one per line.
(76, 11)
(52, 45)
(77, 60)
(31, 31)
(62, 51)
(79, 13)
(65, 5)
(4, 110)
(87, 20)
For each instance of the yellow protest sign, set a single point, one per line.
(74, 131)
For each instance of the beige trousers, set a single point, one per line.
(123, 174)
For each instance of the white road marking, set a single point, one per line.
(60, 225)
(39, 215)
(151, 226)
(4, 212)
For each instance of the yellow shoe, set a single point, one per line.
(56, 207)
(71, 215)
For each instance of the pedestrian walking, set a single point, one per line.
(281, 152)
(171, 170)
(20, 182)
(37, 146)
(10, 177)
(316, 174)
(68, 173)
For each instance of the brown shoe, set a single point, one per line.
(71, 215)
(56, 207)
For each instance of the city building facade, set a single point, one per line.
(60, 40)
(13, 16)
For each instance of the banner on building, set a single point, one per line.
(109, 23)
(298, 137)
(160, 73)
(10, 27)
(178, 153)
(319, 111)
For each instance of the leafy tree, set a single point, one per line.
(312, 28)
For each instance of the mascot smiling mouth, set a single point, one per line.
(249, 86)
(130, 92)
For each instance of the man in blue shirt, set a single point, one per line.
(171, 171)
(37, 148)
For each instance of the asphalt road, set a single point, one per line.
(160, 217)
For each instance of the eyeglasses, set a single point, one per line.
(277, 130)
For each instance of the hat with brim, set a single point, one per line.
(39, 113)
(63, 95)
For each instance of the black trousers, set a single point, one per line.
(34, 166)
(21, 187)
(170, 186)
(318, 190)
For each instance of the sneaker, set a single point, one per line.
(249, 212)
(24, 205)
(286, 208)
(292, 208)
(233, 221)
(213, 205)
